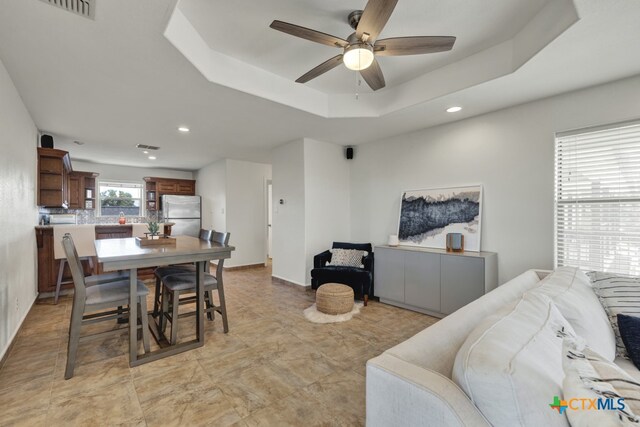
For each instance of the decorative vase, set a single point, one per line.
(122, 219)
(393, 240)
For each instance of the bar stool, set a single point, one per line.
(90, 301)
(161, 272)
(177, 284)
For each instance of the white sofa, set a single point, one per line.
(411, 384)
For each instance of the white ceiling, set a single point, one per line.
(117, 81)
(241, 30)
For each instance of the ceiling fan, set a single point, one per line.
(361, 47)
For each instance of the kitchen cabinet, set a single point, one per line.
(74, 191)
(113, 231)
(54, 167)
(433, 281)
(156, 187)
(48, 266)
(82, 190)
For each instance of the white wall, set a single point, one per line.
(247, 211)
(326, 187)
(313, 179)
(18, 212)
(126, 173)
(510, 152)
(211, 182)
(288, 244)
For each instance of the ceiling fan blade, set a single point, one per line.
(373, 76)
(374, 18)
(398, 46)
(321, 69)
(309, 34)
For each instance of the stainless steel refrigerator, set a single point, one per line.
(184, 212)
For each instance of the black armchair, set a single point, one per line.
(360, 279)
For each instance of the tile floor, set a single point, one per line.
(272, 368)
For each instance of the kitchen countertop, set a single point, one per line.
(129, 224)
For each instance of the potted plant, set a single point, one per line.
(153, 228)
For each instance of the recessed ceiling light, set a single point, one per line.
(145, 152)
(453, 109)
(152, 157)
(183, 129)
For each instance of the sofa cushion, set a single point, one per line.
(629, 327)
(619, 295)
(588, 375)
(347, 257)
(510, 366)
(569, 289)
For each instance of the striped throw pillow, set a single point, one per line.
(618, 295)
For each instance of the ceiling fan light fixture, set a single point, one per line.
(358, 56)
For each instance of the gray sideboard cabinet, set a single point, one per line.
(433, 281)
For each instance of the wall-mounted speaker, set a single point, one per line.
(46, 141)
(349, 153)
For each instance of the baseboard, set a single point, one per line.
(280, 281)
(244, 267)
(7, 350)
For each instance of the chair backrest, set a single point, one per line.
(205, 234)
(358, 246)
(223, 239)
(77, 272)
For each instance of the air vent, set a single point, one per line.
(86, 8)
(147, 147)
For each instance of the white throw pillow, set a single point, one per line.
(347, 257)
(619, 295)
(589, 378)
(510, 366)
(569, 289)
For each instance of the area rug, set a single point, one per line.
(313, 315)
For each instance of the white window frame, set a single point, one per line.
(597, 198)
(123, 183)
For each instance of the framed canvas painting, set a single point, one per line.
(426, 216)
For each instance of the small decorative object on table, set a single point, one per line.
(455, 242)
(393, 240)
(122, 220)
(153, 228)
(153, 237)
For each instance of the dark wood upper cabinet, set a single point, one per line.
(82, 190)
(59, 186)
(54, 167)
(156, 187)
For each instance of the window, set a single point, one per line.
(116, 197)
(597, 199)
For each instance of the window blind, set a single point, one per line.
(597, 199)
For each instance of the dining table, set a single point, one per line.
(127, 254)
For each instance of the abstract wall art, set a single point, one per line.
(426, 216)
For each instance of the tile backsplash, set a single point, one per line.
(84, 216)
